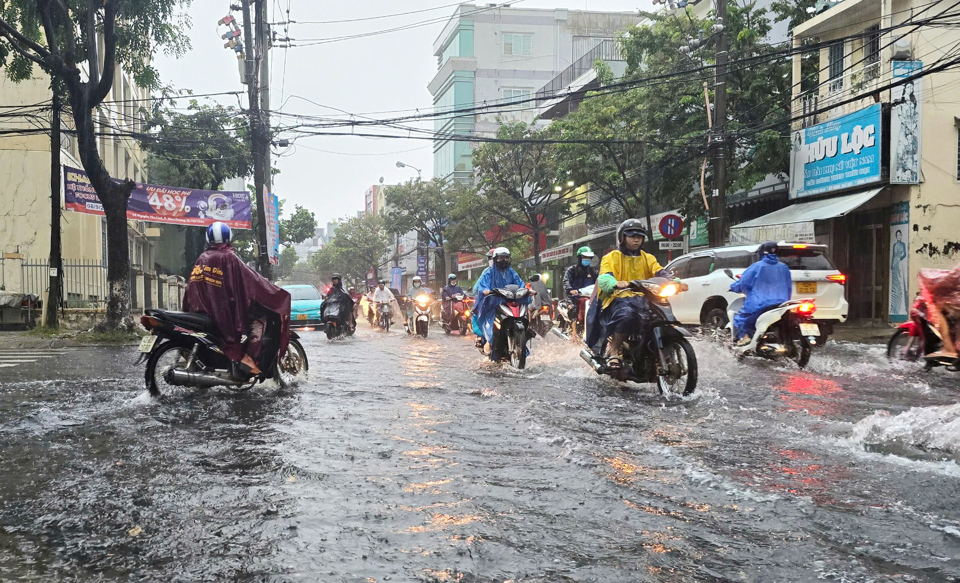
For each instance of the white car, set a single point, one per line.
(705, 302)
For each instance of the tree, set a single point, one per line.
(357, 248)
(288, 260)
(199, 149)
(423, 207)
(300, 226)
(61, 37)
(517, 178)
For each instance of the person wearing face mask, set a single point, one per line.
(498, 276)
(579, 275)
(618, 311)
(473, 317)
(415, 284)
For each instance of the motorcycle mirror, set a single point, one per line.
(728, 273)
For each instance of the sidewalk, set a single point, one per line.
(20, 340)
(863, 333)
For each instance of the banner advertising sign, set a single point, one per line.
(162, 204)
(467, 261)
(396, 277)
(698, 232)
(899, 262)
(801, 232)
(556, 253)
(841, 153)
(905, 124)
(422, 265)
(273, 228)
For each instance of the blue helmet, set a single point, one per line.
(218, 233)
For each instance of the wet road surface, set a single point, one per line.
(404, 459)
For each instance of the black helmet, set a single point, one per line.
(535, 277)
(768, 248)
(630, 225)
(336, 276)
(382, 282)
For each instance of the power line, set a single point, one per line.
(366, 18)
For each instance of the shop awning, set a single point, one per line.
(795, 222)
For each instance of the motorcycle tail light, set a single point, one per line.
(149, 322)
(466, 313)
(546, 308)
(807, 308)
(838, 277)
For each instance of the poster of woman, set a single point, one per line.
(905, 125)
(899, 263)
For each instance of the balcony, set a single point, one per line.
(837, 90)
(607, 50)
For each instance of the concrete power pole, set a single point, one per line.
(258, 135)
(718, 227)
(52, 302)
(265, 43)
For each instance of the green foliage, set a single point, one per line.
(358, 247)
(298, 227)
(426, 208)
(288, 260)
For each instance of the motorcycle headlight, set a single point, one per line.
(422, 299)
(668, 290)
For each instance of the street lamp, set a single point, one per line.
(402, 165)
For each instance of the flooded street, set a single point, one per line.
(405, 459)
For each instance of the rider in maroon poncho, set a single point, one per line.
(224, 288)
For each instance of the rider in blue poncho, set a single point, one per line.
(766, 283)
(496, 277)
(473, 317)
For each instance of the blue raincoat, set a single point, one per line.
(486, 306)
(473, 317)
(766, 283)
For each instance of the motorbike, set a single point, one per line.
(541, 321)
(183, 350)
(334, 323)
(666, 356)
(510, 326)
(918, 337)
(459, 318)
(421, 315)
(383, 316)
(572, 311)
(784, 330)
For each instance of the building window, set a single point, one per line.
(836, 66)
(871, 53)
(518, 44)
(513, 94)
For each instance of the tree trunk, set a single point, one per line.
(113, 197)
(536, 248)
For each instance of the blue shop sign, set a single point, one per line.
(836, 155)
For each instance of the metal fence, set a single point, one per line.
(607, 50)
(83, 282)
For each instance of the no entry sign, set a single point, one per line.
(671, 226)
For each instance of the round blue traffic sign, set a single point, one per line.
(671, 226)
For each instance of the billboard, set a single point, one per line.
(905, 124)
(273, 227)
(162, 204)
(899, 262)
(838, 154)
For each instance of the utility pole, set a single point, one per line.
(56, 261)
(717, 223)
(264, 44)
(258, 137)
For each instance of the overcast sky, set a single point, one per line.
(386, 72)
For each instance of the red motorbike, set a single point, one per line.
(918, 337)
(458, 317)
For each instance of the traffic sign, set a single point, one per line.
(671, 245)
(671, 226)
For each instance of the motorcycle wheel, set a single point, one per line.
(800, 352)
(293, 364)
(164, 357)
(517, 344)
(900, 348)
(422, 329)
(463, 328)
(331, 331)
(680, 378)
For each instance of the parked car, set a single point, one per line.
(304, 305)
(706, 301)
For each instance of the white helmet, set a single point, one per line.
(501, 252)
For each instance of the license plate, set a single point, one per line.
(146, 344)
(301, 316)
(808, 329)
(545, 317)
(806, 287)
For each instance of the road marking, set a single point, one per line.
(10, 357)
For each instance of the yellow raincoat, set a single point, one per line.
(625, 268)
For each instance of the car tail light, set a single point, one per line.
(838, 277)
(807, 308)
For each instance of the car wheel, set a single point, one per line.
(716, 318)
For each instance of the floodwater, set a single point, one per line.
(406, 459)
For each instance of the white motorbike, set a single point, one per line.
(786, 330)
(420, 324)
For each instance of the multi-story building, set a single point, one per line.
(875, 170)
(25, 197)
(497, 55)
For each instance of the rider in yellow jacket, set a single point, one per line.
(622, 312)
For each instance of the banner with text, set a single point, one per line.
(273, 227)
(841, 153)
(162, 204)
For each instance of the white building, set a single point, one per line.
(496, 55)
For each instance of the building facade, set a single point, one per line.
(875, 170)
(497, 55)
